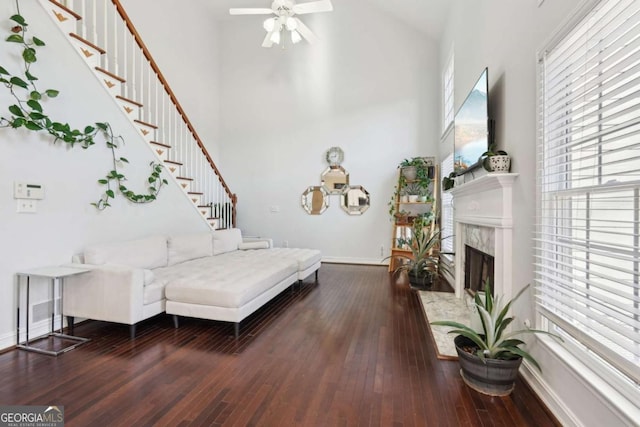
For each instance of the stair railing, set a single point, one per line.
(106, 24)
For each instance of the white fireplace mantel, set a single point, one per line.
(487, 202)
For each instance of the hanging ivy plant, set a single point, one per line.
(28, 112)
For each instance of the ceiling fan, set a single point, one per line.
(285, 19)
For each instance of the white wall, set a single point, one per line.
(184, 43)
(370, 86)
(65, 222)
(505, 35)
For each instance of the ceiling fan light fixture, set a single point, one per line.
(269, 24)
(275, 37)
(292, 24)
(295, 37)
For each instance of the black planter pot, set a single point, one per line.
(489, 376)
(421, 281)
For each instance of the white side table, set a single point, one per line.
(56, 275)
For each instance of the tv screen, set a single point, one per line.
(471, 127)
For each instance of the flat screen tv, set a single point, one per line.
(471, 127)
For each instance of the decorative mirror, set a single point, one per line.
(315, 200)
(335, 179)
(355, 200)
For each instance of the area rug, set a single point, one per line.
(444, 306)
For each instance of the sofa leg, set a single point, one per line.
(70, 325)
(236, 329)
(316, 276)
(132, 331)
(175, 321)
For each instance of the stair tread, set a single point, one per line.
(184, 178)
(173, 163)
(110, 74)
(195, 193)
(130, 101)
(146, 124)
(88, 43)
(66, 9)
(160, 144)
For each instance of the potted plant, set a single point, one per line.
(448, 182)
(422, 266)
(490, 359)
(408, 168)
(494, 160)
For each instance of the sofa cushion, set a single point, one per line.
(253, 245)
(226, 240)
(149, 277)
(229, 280)
(150, 252)
(304, 257)
(185, 247)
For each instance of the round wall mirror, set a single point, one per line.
(355, 200)
(335, 179)
(315, 200)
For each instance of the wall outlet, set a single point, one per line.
(26, 206)
(274, 209)
(527, 323)
(285, 243)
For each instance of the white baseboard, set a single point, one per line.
(363, 261)
(36, 330)
(562, 413)
(574, 393)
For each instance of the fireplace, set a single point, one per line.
(478, 267)
(483, 220)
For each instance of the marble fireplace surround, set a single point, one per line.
(483, 219)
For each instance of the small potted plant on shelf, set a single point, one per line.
(490, 359)
(494, 160)
(422, 266)
(408, 168)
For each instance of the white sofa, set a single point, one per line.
(212, 275)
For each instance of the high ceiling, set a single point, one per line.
(427, 16)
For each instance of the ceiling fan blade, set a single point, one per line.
(250, 11)
(267, 40)
(306, 32)
(313, 7)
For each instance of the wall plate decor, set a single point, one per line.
(315, 200)
(335, 156)
(355, 200)
(335, 179)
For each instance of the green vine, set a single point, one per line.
(28, 113)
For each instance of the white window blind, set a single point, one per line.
(588, 235)
(447, 94)
(446, 216)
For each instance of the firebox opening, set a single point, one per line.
(478, 267)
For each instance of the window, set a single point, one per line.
(446, 216)
(447, 95)
(588, 236)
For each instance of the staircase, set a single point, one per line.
(105, 38)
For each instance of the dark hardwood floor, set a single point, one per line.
(353, 350)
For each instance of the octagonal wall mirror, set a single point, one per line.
(355, 200)
(335, 179)
(315, 200)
